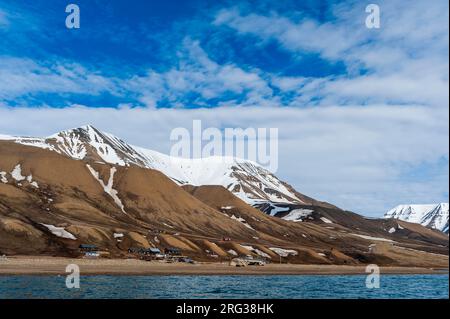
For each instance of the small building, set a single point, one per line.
(152, 254)
(147, 253)
(87, 247)
(186, 260)
(247, 261)
(172, 251)
(144, 251)
(90, 251)
(152, 251)
(238, 262)
(251, 261)
(178, 259)
(91, 254)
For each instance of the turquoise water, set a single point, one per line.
(193, 287)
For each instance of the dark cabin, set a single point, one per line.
(150, 251)
(172, 251)
(87, 247)
(153, 251)
(144, 251)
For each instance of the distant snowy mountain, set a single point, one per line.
(246, 179)
(434, 216)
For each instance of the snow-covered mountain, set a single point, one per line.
(246, 179)
(434, 216)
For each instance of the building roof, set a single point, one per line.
(87, 246)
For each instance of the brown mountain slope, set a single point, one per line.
(374, 226)
(253, 183)
(50, 203)
(343, 230)
(69, 194)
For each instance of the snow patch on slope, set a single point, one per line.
(284, 252)
(275, 210)
(232, 252)
(242, 221)
(17, 173)
(3, 178)
(373, 238)
(434, 216)
(297, 215)
(32, 183)
(108, 188)
(256, 251)
(326, 220)
(73, 147)
(59, 232)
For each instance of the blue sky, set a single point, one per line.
(121, 40)
(362, 113)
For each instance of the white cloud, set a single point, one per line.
(303, 35)
(197, 73)
(406, 61)
(288, 83)
(395, 88)
(20, 76)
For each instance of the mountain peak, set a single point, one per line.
(77, 130)
(89, 143)
(247, 180)
(88, 128)
(429, 215)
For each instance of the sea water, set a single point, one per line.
(193, 287)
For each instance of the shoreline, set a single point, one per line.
(132, 267)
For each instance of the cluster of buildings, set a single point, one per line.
(169, 255)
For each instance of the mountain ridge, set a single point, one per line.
(246, 179)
